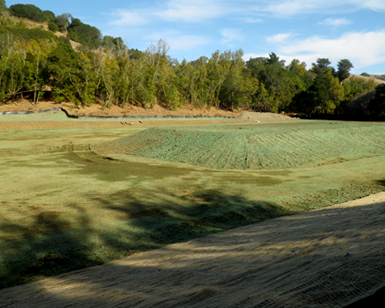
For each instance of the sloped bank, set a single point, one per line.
(254, 146)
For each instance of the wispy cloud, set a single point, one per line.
(230, 35)
(336, 22)
(278, 38)
(374, 5)
(252, 20)
(129, 18)
(192, 10)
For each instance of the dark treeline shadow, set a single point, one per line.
(52, 245)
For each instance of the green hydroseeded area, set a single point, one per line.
(255, 146)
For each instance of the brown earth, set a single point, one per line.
(323, 258)
(97, 110)
(131, 110)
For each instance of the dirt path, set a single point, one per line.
(323, 258)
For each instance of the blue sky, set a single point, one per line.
(301, 29)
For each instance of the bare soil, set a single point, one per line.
(116, 111)
(130, 110)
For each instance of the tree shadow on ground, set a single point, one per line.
(381, 182)
(203, 212)
(45, 248)
(53, 245)
(293, 261)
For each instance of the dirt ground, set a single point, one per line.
(6, 123)
(129, 110)
(323, 258)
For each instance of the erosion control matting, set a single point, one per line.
(323, 258)
(255, 146)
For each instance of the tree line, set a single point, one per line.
(35, 63)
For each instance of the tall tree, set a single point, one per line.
(36, 61)
(61, 64)
(63, 21)
(377, 104)
(322, 63)
(344, 67)
(274, 60)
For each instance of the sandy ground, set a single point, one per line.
(323, 258)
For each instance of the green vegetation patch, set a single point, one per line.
(255, 146)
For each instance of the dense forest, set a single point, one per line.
(42, 63)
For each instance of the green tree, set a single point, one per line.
(377, 104)
(36, 61)
(29, 11)
(84, 34)
(322, 63)
(53, 26)
(324, 95)
(63, 21)
(239, 86)
(61, 64)
(50, 16)
(274, 60)
(344, 67)
(12, 69)
(281, 83)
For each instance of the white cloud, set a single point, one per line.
(348, 46)
(288, 8)
(230, 35)
(336, 22)
(362, 48)
(192, 10)
(374, 5)
(278, 38)
(129, 18)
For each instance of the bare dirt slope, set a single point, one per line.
(9, 122)
(323, 258)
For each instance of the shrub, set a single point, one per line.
(29, 11)
(53, 26)
(50, 16)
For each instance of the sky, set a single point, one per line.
(293, 29)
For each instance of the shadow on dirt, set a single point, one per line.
(47, 247)
(52, 244)
(209, 271)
